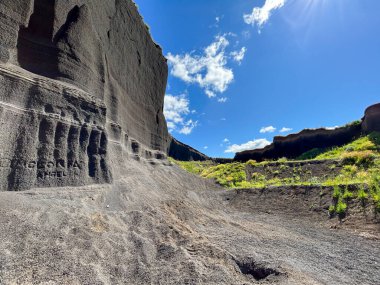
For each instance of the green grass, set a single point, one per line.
(195, 167)
(230, 175)
(363, 146)
(357, 163)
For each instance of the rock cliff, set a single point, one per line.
(82, 87)
(371, 120)
(183, 152)
(294, 145)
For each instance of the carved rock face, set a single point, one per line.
(81, 85)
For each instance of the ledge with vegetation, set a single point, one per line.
(351, 172)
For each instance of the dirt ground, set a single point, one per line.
(160, 225)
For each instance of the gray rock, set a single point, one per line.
(81, 82)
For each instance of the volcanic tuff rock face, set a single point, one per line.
(294, 145)
(82, 85)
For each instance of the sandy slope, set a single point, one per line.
(160, 225)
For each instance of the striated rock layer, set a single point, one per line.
(82, 87)
(294, 145)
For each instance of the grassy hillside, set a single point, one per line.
(357, 163)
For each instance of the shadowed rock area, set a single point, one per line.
(83, 135)
(183, 152)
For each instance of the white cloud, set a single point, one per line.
(269, 129)
(238, 56)
(260, 15)
(255, 144)
(188, 127)
(176, 109)
(331, 128)
(205, 147)
(210, 94)
(222, 100)
(226, 140)
(210, 70)
(285, 130)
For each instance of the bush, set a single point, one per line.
(258, 177)
(251, 162)
(337, 192)
(347, 194)
(360, 158)
(362, 195)
(332, 209)
(230, 175)
(341, 208)
(350, 170)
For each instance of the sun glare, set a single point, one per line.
(303, 15)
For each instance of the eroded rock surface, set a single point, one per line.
(82, 88)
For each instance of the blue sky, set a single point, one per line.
(242, 71)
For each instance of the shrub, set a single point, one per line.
(315, 181)
(354, 123)
(229, 175)
(251, 162)
(332, 209)
(258, 177)
(332, 167)
(362, 195)
(347, 194)
(340, 207)
(349, 149)
(284, 167)
(336, 192)
(350, 170)
(360, 158)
